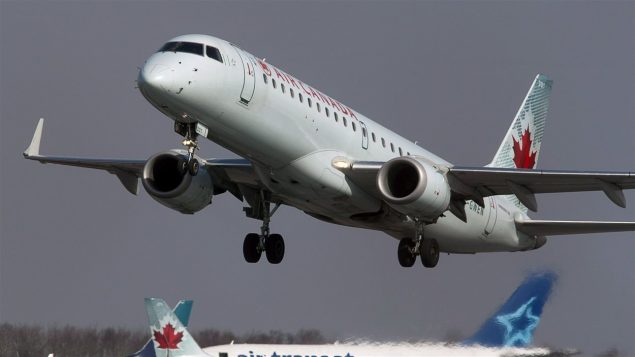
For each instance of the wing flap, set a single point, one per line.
(550, 228)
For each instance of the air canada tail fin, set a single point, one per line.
(182, 311)
(514, 323)
(520, 147)
(169, 338)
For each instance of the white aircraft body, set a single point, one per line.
(304, 149)
(507, 332)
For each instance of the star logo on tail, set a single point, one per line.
(519, 325)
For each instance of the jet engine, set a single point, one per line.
(170, 185)
(414, 188)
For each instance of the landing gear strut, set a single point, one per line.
(188, 131)
(271, 244)
(428, 249)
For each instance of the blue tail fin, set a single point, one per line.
(514, 323)
(182, 310)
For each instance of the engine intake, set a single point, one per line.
(414, 188)
(166, 183)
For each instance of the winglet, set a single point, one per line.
(34, 148)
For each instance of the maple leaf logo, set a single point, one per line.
(168, 339)
(523, 157)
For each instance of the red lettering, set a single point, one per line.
(280, 75)
(293, 83)
(314, 94)
(304, 89)
(351, 113)
(264, 67)
(334, 104)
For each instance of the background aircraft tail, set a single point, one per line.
(520, 147)
(169, 335)
(182, 311)
(514, 323)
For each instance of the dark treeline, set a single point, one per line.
(27, 341)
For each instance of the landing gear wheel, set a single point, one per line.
(193, 167)
(429, 251)
(274, 248)
(250, 248)
(404, 253)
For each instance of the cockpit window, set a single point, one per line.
(187, 47)
(213, 52)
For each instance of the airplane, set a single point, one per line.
(508, 332)
(182, 312)
(301, 148)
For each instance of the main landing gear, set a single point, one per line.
(188, 131)
(271, 244)
(428, 249)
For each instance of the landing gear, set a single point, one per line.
(428, 249)
(274, 247)
(191, 164)
(251, 247)
(405, 253)
(271, 244)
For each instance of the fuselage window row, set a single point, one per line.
(327, 113)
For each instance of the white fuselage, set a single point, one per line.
(366, 350)
(292, 143)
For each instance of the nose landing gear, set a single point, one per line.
(188, 131)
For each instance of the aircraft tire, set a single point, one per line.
(274, 248)
(250, 248)
(429, 251)
(404, 253)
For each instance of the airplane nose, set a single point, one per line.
(156, 77)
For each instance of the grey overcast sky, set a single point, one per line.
(76, 248)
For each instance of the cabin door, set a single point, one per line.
(491, 212)
(249, 76)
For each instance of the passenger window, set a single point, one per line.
(326, 111)
(273, 82)
(408, 153)
(383, 142)
(213, 52)
(354, 126)
(392, 147)
(264, 78)
(291, 92)
(282, 87)
(400, 152)
(344, 121)
(317, 105)
(335, 116)
(308, 100)
(300, 97)
(374, 137)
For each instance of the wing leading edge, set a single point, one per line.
(229, 172)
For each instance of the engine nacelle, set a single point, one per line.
(164, 181)
(414, 188)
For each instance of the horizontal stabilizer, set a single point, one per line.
(550, 228)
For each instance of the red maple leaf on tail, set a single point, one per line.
(523, 157)
(168, 339)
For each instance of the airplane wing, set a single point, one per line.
(477, 182)
(550, 228)
(229, 171)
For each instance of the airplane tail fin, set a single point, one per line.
(182, 310)
(514, 323)
(169, 338)
(520, 147)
